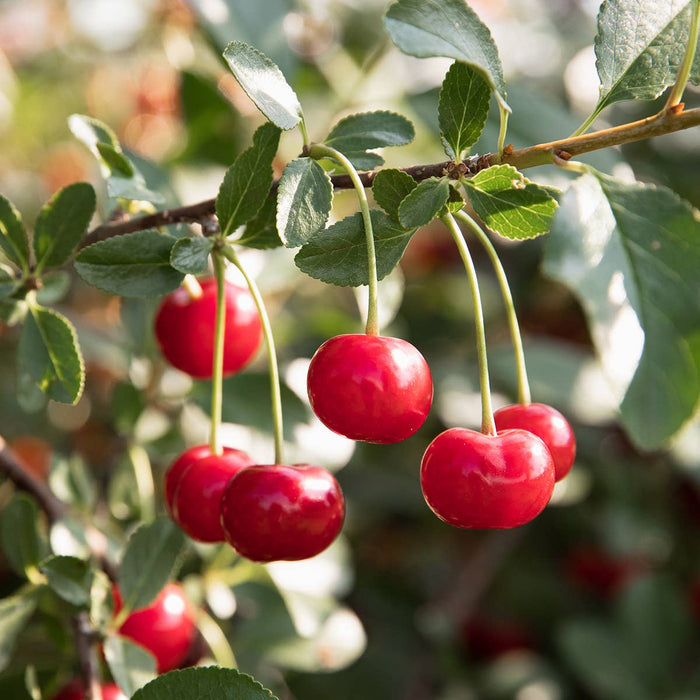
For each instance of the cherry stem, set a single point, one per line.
(504, 112)
(524, 396)
(275, 392)
(686, 66)
(488, 425)
(322, 151)
(217, 377)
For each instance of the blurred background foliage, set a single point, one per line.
(598, 598)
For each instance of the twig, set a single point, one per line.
(666, 122)
(85, 642)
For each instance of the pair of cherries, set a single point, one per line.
(379, 389)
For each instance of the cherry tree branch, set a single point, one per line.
(665, 122)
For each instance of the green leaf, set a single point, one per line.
(62, 223)
(204, 683)
(8, 282)
(124, 180)
(362, 132)
(13, 237)
(304, 199)
(73, 482)
(264, 83)
(190, 255)
(509, 203)
(54, 287)
(132, 265)
(450, 28)
(424, 203)
(364, 160)
(639, 48)
(15, 612)
(389, 188)
(23, 543)
(601, 659)
(463, 108)
(130, 664)
(247, 182)
(70, 578)
(338, 255)
(631, 254)
(150, 560)
(261, 231)
(49, 357)
(12, 311)
(101, 601)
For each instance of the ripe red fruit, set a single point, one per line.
(370, 387)
(488, 637)
(473, 480)
(165, 627)
(74, 690)
(184, 329)
(177, 468)
(274, 511)
(197, 501)
(549, 425)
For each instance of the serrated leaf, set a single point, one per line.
(304, 199)
(149, 562)
(338, 255)
(463, 108)
(509, 203)
(23, 543)
(15, 612)
(367, 130)
(130, 664)
(247, 182)
(54, 287)
(424, 203)
(69, 577)
(49, 357)
(132, 265)
(13, 237)
(631, 254)
(62, 223)
(261, 231)
(191, 255)
(204, 684)
(264, 83)
(639, 48)
(8, 282)
(450, 28)
(455, 202)
(390, 187)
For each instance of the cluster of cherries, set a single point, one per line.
(366, 387)
(165, 628)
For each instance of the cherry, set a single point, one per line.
(177, 468)
(74, 690)
(197, 501)
(473, 480)
(549, 425)
(184, 328)
(165, 627)
(275, 511)
(487, 638)
(369, 387)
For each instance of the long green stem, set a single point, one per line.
(504, 111)
(686, 66)
(323, 151)
(589, 120)
(488, 426)
(275, 392)
(524, 396)
(217, 376)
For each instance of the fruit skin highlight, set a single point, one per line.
(370, 388)
(473, 480)
(273, 512)
(549, 425)
(74, 690)
(165, 628)
(184, 328)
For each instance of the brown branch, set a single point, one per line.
(85, 642)
(665, 122)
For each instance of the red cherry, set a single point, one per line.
(474, 480)
(370, 387)
(184, 328)
(177, 468)
(165, 627)
(197, 502)
(488, 638)
(549, 425)
(275, 511)
(74, 690)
